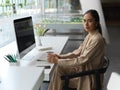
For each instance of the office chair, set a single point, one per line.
(95, 72)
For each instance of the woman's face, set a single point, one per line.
(89, 23)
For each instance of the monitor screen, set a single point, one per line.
(24, 33)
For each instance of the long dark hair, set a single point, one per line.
(95, 15)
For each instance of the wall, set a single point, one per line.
(110, 9)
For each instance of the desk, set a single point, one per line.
(22, 78)
(57, 43)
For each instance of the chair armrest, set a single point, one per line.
(83, 73)
(95, 72)
(89, 72)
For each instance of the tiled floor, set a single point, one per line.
(113, 52)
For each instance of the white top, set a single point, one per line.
(22, 78)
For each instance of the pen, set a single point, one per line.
(10, 58)
(7, 59)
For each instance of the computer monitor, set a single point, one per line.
(24, 33)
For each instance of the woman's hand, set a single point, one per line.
(52, 58)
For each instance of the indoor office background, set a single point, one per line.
(48, 10)
(42, 11)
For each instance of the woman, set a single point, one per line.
(88, 56)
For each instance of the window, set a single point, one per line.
(6, 31)
(49, 11)
(11, 9)
(61, 11)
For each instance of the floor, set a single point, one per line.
(113, 53)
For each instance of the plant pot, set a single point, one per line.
(38, 41)
(14, 63)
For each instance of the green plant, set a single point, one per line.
(40, 29)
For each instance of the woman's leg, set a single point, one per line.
(56, 82)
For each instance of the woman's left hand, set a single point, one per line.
(52, 58)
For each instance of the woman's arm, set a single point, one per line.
(73, 54)
(64, 56)
(96, 47)
(53, 58)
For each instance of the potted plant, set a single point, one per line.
(39, 30)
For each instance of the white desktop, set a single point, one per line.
(22, 78)
(35, 61)
(38, 57)
(32, 59)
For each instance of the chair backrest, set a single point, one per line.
(95, 72)
(101, 71)
(50, 32)
(106, 62)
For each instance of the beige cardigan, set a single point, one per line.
(90, 57)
